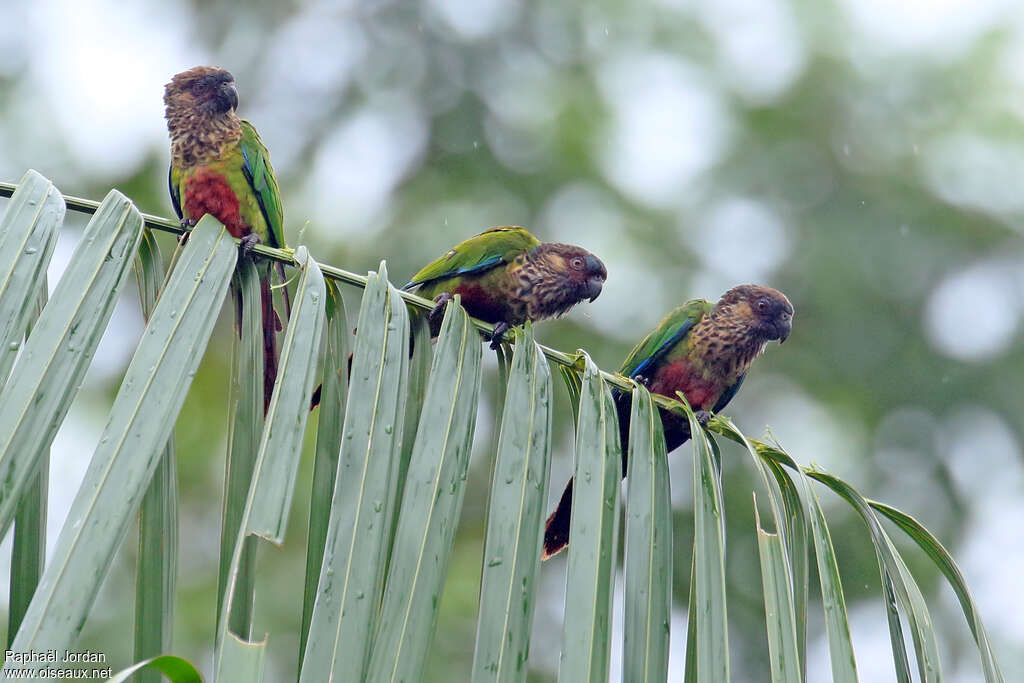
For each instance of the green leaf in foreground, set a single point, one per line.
(837, 626)
(269, 501)
(351, 577)
(176, 669)
(784, 656)
(433, 497)
(648, 555)
(28, 233)
(132, 443)
(281, 443)
(899, 586)
(157, 572)
(944, 561)
(586, 633)
(245, 427)
(707, 594)
(330, 427)
(515, 520)
(28, 552)
(54, 359)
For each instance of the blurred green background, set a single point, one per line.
(863, 156)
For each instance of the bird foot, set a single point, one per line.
(640, 379)
(702, 417)
(440, 301)
(247, 243)
(186, 224)
(436, 314)
(497, 336)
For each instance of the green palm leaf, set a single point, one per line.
(431, 504)
(648, 557)
(515, 518)
(351, 577)
(132, 443)
(586, 632)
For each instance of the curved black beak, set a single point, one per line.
(783, 327)
(227, 96)
(592, 288)
(598, 274)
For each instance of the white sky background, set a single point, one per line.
(89, 129)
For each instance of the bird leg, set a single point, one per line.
(247, 243)
(640, 379)
(187, 224)
(436, 313)
(496, 337)
(702, 417)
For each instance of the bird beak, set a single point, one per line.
(783, 328)
(227, 97)
(598, 274)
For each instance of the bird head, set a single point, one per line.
(583, 271)
(767, 311)
(559, 276)
(206, 90)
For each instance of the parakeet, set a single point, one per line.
(506, 276)
(220, 166)
(702, 350)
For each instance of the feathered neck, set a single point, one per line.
(198, 138)
(724, 344)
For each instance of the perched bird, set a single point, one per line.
(506, 276)
(702, 350)
(219, 166)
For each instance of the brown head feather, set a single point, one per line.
(727, 341)
(200, 111)
(554, 277)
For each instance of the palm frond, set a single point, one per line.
(392, 456)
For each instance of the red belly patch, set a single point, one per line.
(479, 303)
(208, 192)
(679, 376)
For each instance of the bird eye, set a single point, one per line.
(576, 263)
(762, 305)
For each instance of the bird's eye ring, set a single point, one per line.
(576, 263)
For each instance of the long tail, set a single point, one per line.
(282, 279)
(556, 532)
(271, 326)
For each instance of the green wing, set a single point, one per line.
(672, 330)
(173, 183)
(260, 175)
(477, 254)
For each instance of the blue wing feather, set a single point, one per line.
(475, 268)
(667, 345)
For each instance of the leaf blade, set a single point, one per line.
(430, 507)
(648, 554)
(356, 546)
(49, 371)
(586, 632)
(140, 421)
(515, 520)
(28, 234)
